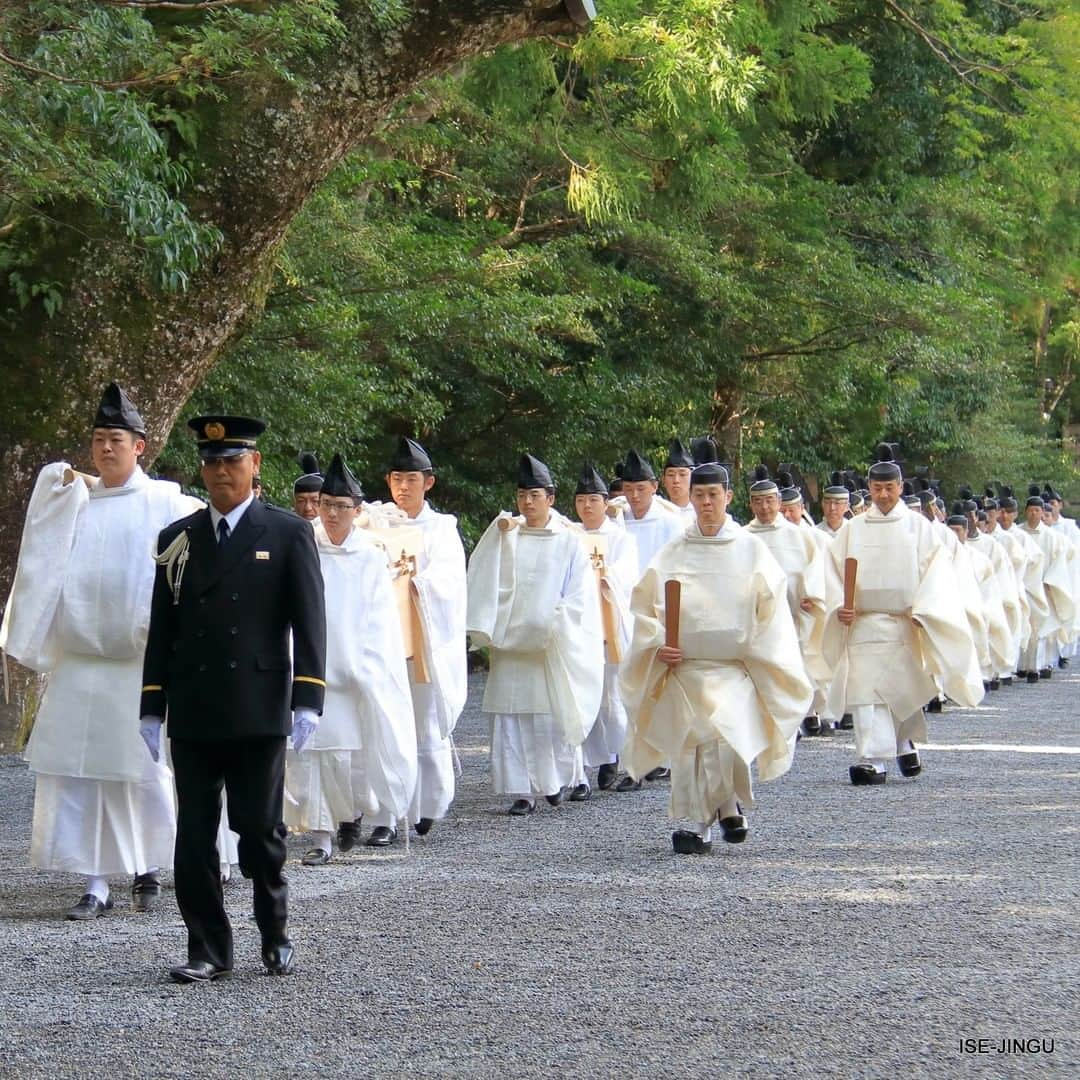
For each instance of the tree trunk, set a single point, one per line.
(261, 152)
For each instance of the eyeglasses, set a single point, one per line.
(342, 507)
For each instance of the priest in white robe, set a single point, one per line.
(1000, 590)
(79, 610)
(676, 479)
(835, 505)
(362, 756)
(533, 602)
(1057, 578)
(651, 521)
(1067, 528)
(439, 685)
(613, 556)
(903, 632)
(731, 691)
(802, 560)
(1016, 551)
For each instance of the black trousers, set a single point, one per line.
(252, 772)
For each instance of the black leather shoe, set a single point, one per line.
(197, 971)
(1007, 681)
(279, 958)
(315, 857)
(348, 834)
(658, 774)
(909, 763)
(1063, 661)
(686, 842)
(811, 725)
(580, 793)
(145, 892)
(995, 684)
(1032, 676)
(557, 798)
(628, 783)
(606, 776)
(522, 808)
(1021, 674)
(381, 836)
(1045, 673)
(847, 722)
(934, 705)
(735, 827)
(863, 775)
(423, 826)
(89, 907)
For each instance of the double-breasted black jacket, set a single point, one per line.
(217, 659)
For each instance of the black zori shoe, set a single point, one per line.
(995, 684)
(348, 834)
(279, 958)
(628, 783)
(811, 725)
(909, 764)
(735, 827)
(381, 836)
(686, 842)
(557, 798)
(1021, 674)
(145, 892)
(658, 774)
(864, 775)
(315, 857)
(580, 793)
(1032, 676)
(1045, 673)
(1007, 681)
(197, 971)
(521, 808)
(89, 907)
(424, 825)
(1063, 661)
(847, 722)
(934, 705)
(606, 776)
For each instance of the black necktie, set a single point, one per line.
(222, 532)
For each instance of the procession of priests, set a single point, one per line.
(635, 639)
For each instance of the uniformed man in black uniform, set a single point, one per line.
(234, 582)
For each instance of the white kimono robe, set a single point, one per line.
(1067, 528)
(908, 630)
(803, 561)
(608, 733)
(1057, 578)
(1001, 590)
(533, 601)
(80, 610)
(661, 523)
(362, 757)
(1016, 553)
(740, 692)
(1040, 613)
(439, 585)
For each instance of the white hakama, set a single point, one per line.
(533, 599)
(740, 692)
(79, 610)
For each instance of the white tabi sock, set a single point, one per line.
(875, 765)
(324, 841)
(704, 830)
(904, 746)
(99, 887)
(729, 808)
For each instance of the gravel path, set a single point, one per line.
(858, 932)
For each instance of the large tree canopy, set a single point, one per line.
(802, 226)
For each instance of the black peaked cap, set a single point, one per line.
(117, 411)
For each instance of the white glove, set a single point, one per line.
(150, 730)
(304, 725)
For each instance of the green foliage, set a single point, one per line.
(100, 119)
